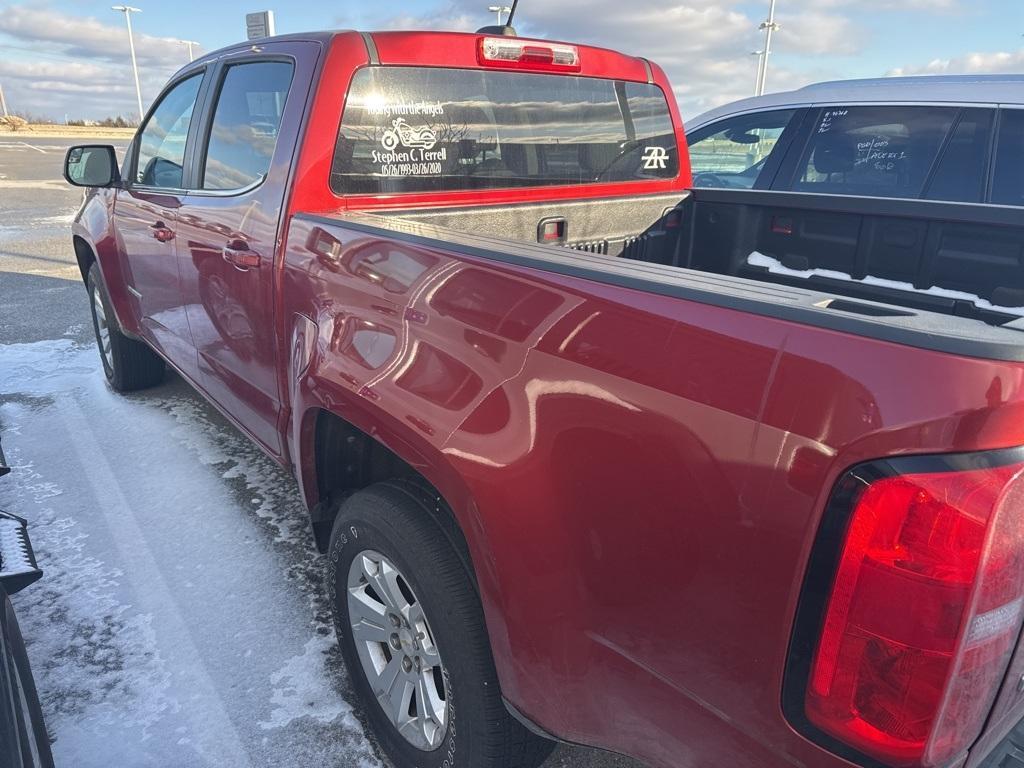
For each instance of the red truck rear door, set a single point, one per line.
(228, 227)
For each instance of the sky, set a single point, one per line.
(69, 58)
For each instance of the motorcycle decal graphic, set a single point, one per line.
(409, 150)
(408, 136)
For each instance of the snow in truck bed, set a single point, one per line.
(776, 267)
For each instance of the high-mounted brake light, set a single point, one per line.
(924, 610)
(528, 54)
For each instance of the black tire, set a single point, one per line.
(394, 519)
(130, 364)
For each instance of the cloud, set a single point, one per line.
(816, 33)
(54, 63)
(995, 62)
(452, 22)
(86, 37)
(71, 70)
(703, 45)
(933, 6)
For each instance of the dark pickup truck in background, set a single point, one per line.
(703, 477)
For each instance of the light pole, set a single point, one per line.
(189, 43)
(3, 101)
(768, 26)
(499, 9)
(757, 77)
(128, 10)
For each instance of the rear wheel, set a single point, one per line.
(128, 364)
(412, 632)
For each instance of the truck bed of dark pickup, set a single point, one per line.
(697, 248)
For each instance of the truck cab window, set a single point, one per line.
(162, 143)
(732, 153)
(873, 151)
(245, 124)
(1008, 184)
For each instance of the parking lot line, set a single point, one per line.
(32, 146)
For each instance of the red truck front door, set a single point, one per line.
(145, 220)
(228, 228)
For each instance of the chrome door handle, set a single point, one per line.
(162, 232)
(239, 256)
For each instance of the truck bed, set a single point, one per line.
(700, 248)
(717, 409)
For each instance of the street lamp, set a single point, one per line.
(499, 9)
(128, 10)
(768, 26)
(757, 77)
(189, 43)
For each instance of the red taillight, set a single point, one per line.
(528, 54)
(924, 612)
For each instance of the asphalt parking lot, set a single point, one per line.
(181, 620)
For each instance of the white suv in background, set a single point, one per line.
(952, 138)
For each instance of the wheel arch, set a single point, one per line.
(85, 255)
(338, 459)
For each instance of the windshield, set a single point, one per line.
(430, 129)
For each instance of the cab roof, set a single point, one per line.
(446, 49)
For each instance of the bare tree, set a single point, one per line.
(13, 122)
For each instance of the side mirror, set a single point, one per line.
(91, 165)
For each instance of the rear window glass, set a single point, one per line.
(421, 130)
(873, 151)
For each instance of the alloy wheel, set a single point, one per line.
(397, 651)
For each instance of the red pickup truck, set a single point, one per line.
(702, 477)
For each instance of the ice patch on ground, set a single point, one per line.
(299, 690)
(90, 655)
(276, 503)
(776, 267)
(45, 368)
(182, 617)
(33, 184)
(306, 686)
(59, 219)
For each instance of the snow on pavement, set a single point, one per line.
(181, 619)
